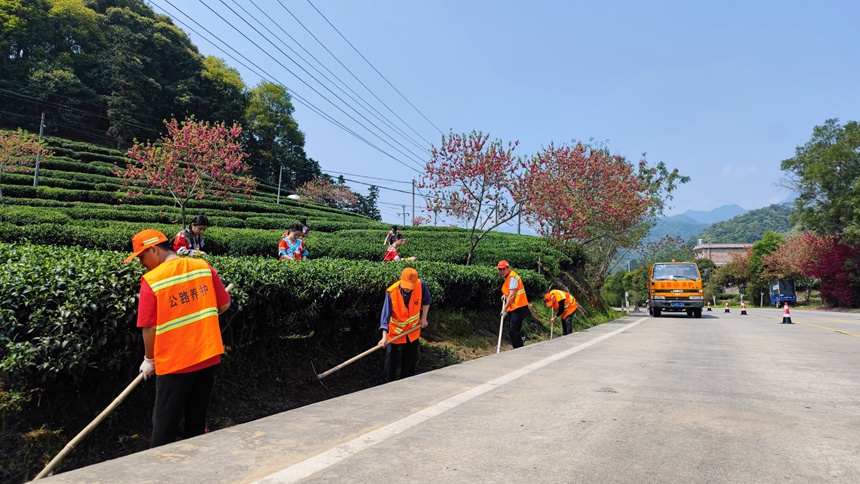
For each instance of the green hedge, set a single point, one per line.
(45, 180)
(82, 213)
(63, 163)
(54, 143)
(70, 313)
(51, 227)
(240, 203)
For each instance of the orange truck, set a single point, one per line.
(675, 286)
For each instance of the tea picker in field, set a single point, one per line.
(406, 305)
(180, 300)
(292, 247)
(392, 234)
(189, 241)
(305, 229)
(515, 303)
(564, 305)
(392, 254)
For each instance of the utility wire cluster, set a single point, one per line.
(364, 116)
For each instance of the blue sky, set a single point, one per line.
(721, 90)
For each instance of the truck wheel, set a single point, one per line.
(689, 313)
(697, 313)
(657, 312)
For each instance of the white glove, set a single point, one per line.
(147, 367)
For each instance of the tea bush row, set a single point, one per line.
(70, 313)
(52, 227)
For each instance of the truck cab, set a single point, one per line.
(781, 292)
(675, 286)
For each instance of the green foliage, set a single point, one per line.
(750, 226)
(612, 290)
(824, 172)
(67, 312)
(275, 139)
(64, 312)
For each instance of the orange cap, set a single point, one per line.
(548, 299)
(144, 240)
(502, 264)
(408, 278)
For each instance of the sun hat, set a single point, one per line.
(408, 278)
(144, 240)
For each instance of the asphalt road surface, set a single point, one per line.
(725, 398)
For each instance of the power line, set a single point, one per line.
(77, 100)
(312, 67)
(266, 76)
(374, 68)
(308, 73)
(351, 73)
(64, 124)
(378, 115)
(368, 177)
(18, 95)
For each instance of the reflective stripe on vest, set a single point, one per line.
(570, 302)
(520, 299)
(186, 331)
(403, 318)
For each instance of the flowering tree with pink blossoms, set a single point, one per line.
(192, 160)
(18, 150)
(473, 180)
(326, 192)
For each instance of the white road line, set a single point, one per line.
(312, 465)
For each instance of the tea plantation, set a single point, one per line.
(68, 341)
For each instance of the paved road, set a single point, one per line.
(725, 398)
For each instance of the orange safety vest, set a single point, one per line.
(561, 296)
(520, 299)
(186, 330)
(404, 318)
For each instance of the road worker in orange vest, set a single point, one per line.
(564, 305)
(515, 303)
(406, 305)
(180, 300)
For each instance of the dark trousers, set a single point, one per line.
(567, 325)
(515, 325)
(404, 353)
(181, 395)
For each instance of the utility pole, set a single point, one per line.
(519, 222)
(405, 213)
(39, 154)
(413, 197)
(280, 174)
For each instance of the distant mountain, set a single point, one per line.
(750, 226)
(718, 214)
(790, 198)
(675, 226)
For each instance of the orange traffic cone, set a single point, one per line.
(727, 306)
(786, 318)
(709, 305)
(743, 309)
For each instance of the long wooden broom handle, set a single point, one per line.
(362, 355)
(83, 433)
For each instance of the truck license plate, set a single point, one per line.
(677, 304)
